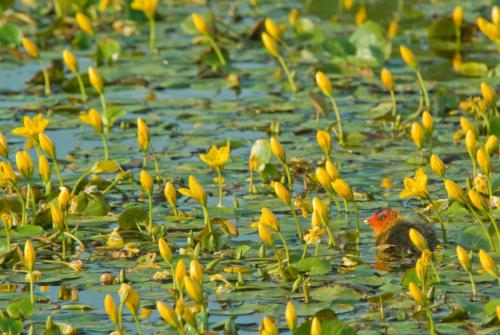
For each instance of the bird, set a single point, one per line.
(392, 232)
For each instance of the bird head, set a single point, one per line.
(382, 220)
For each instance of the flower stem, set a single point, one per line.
(423, 90)
(483, 227)
(494, 223)
(339, 121)
(472, 284)
(288, 177)
(150, 223)
(32, 287)
(82, 87)
(432, 329)
(219, 174)
(107, 121)
(288, 74)
(218, 52)
(137, 323)
(105, 146)
(46, 78)
(440, 218)
(297, 223)
(152, 36)
(58, 171)
(393, 103)
(287, 252)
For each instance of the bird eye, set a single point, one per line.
(381, 217)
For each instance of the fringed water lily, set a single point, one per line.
(31, 129)
(72, 64)
(216, 158)
(148, 7)
(203, 28)
(94, 119)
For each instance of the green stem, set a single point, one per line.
(472, 284)
(277, 256)
(137, 323)
(82, 87)
(483, 227)
(331, 237)
(152, 36)
(78, 182)
(58, 171)
(393, 103)
(120, 316)
(219, 174)
(490, 188)
(440, 218)
(436, 273)
(218, 52)
(144, 160)
(24, 217)
(423, 90)
(288, 177)
(46, 78)
(107, 121)
(287, 252)
(288, 74)
(432, 329)
(150, 224)
(32, 287)
(304, 253)
(339, 121)
(297, 223)
(105, 146)
(494, 223)
(7, 238)
(63, 244)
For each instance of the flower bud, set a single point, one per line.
(30, 47)
(197, 191)
(7, 173)
(196, 271)
(93, 119)
(417, 135)
(323, 178)
(316, 219)
(277, 149)
(324, 140)
(167, 314)
(70, 60)
(110, 308)
(146, 182)
(343, 189)
(170, 194)
(332, 170)
(84, 23)
(470, 143)
(454, 191)
(491, 144)
(458, 16)
(418, 239)
(316, 326)
(269, 327)
(268, 218)
(321, 207)
(323, 83)
(488, 93)
(438, 166)
(57, 216)
(47, 145)
(483, 160)
(96, 80)
(63, 198)
(180, 273)
(24, 164)
(427, 122)
(291, 316)
(392, 30)
(130, 297)
(463, 258)
(4, 147)
(477, 200)
(416, 294)
(142, 135)
(270, 44)
(488, 264)
(495, 18)
(408, 57)
(264, 234)
(29, 256)
(467, 125)
(387, 80)
(193, 289)
(273, 29)
(165, 250)
(421, 270)
(200, 24)
(282, 193)
(44, 169)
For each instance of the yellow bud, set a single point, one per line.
(477, 200)
(408, 57)
(487, 263)
(170, 194)
(418, 240)
(47, 145)
(488, 93)
(4, 147)
(495, 18)
(387, 80)
(130, 297)
(84, 23)
(470, 143)
(277, 149)
(427, 122)
(264, 234)
(316, 219)
(197, 191)
(200, 24)
(165, 250)
(457, 62)
(180, 272)
(483, 160)
(463, 258)
(343, 189)
(142, 134)
(324, 140)
(321, 207)
(421, 270)
(44, 169)
(273, 29)
(454, 191)
(70, 60)
(491, 144)
(417, 134)
(93, 119)
(146, 182)
(269, 327)
(110, 308)
(268, 218)
(282, 193)
(416, 294)
(63, 198)
(7, 173)
(467, 125)
(270, 44)
(57, 216)
(196, 271)
(29, 256)
(30, 47)
(316, 326)
(386, 183)
(24, 164)
(96, 80)
(323, 83)
(193, 289)
(360, 17)
(332, 170)
(438, 166)
(498, 307)
(458, 16)
(167, 314)
(323, 178)
(291, 316)
(145, 313)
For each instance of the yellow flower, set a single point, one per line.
(110, 308)
(416, 187)
(4, 147)
(269, 327)
(180, 273)
(463, 258)
(70, 60)
(324, 140)
(323, 83)
(193, 289)
(483, 160)
(438, 166)
(277, 149)
(458, 16)
(148, 7)
(427, 122)
(57, 216)
(29, 256)
(200, 24)
(477, 200)
(7, 174)
(282, 193)
(84, 23)
(93, 119)
(417, 135)
(196, 271)
(264, 234)
(268, 218)
(489, 29)
(291, 316)
(273, 29)
(418, 239)
(416, 294)
(31, 127)
(24, 164)
(491, 144)
(63, 198)
(30, 47)
(470, 143)
(343, 189)
(130, 297)
(488, 264)
(454, 191)
(216, 157)
(44, 169)
(165, 250)
(96, 80)
(167, 314)
(47, 145)
(270, 44)
(387, 80)
(408, 57)
(488, 93)
(142, 134)
(195, 191)
(323, 178)
(392, 30)
(467, 125)
(146, 182)
(332, 170)
(314, 235)
(316, 326)
(170, 194)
